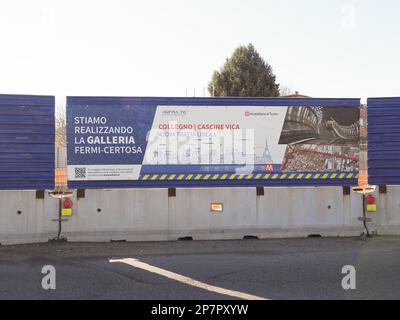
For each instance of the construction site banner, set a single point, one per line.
(162, 142)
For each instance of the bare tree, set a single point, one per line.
(61, 130)
(285, 90)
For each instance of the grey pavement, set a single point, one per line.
(272, 269)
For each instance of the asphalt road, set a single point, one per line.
(271, 269)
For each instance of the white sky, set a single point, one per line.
(322, 48)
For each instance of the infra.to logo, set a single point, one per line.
(174, 113)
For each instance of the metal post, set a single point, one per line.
(365, 216)
(59, 219)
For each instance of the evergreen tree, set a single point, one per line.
(244, 74)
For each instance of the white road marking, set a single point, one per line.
(186, 280)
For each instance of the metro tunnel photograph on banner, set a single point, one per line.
(321, 139)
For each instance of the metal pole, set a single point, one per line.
(365, 217)
(59, 219)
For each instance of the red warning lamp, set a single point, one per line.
(370, 199)
(67, 204)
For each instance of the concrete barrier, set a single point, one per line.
(25, 219)
(192, 216)
(131, 215)
(386, 221)
(150, 215)
(301, 212)
(143, 214)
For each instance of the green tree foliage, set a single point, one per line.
(244, 74)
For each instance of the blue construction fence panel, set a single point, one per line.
(384, 141)
(27, 135)
(121, 142)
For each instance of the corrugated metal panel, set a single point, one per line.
(27, 132)
(349, 179)
(384, 141)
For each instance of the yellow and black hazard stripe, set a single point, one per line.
(254, 176)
